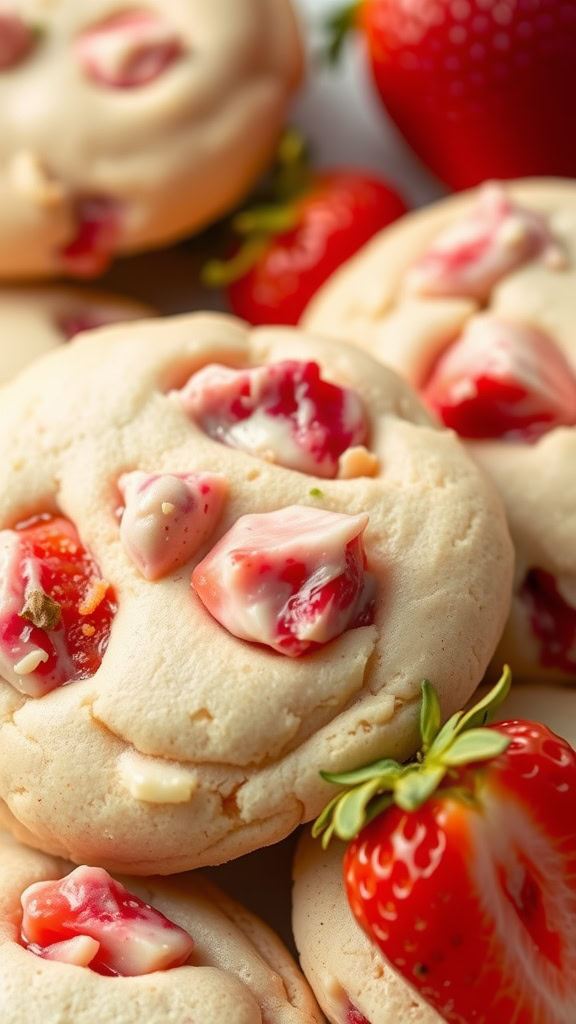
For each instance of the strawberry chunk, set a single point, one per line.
(89, 919)
(284, 412)
(355, 1017)
(167, 517)
(292, 579)
(91, 250)
(55, 609)
(128, 50)
(496, 237)
(553, 620)
(502, 379)
(16, 39)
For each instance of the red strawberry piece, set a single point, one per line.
(355, 1017)
(16, 39)
(167, 517)
(128, 50)
(56, 610)
(90, 251)
(284, 412)
(295, 248)
(502, 379)
(292, 579)
(553, 620)
(87, 914)
(465, 877)
(480, 89)
(79, 320)
(496, 237)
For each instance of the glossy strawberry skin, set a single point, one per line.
(479, 89)
(335, 218)
(417, 883)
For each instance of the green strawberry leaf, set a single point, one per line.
(430, 715)
(384, 770)
(350, 812)
(416, 787)
(482, 711)
(338, 26)
(475, 745)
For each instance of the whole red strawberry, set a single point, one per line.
(293, 248)
(480, 88)
(466, 875)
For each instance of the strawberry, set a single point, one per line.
(480, 88)
(291, 249)
(553, 620)
(502, 379)
(465, 875)
(128, 50)
(16, 39)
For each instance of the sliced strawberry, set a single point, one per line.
(293, 579)
(56, 611)
(466, 876)
(285, 413)
(168, 517)
(502, 379)
(355, 1017)
(553, 621)
(128, 50)
(90, 251)
(496, 237)
(121, 934)
(16, 39)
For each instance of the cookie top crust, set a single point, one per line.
(126, 126)
(196, 746)
(35, 320)
(374, 302)
(238, 969)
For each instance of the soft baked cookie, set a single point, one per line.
(124, 126)
(75, 945)
(35, 320)
(243, 566)
(350, 978)
(474, 301)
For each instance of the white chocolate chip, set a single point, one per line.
(167, 508)
(29, 177)
(155, 781)
(513, 232)
(29, 663)
(357, 461)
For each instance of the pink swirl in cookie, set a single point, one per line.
(16, 39)
(292, 579)
(92, 248)
(553, 620)
(495, 238)
(285, 413)
(128, 50)
(168, 517)
(90, 920)
(56, 610)
(502, 379)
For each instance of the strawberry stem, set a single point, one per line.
(338, 27)
(374, 788)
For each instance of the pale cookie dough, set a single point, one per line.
(345, 970)
(238, 971)
(189, 746)
(124, 126)
(367, 302)
(35, 320)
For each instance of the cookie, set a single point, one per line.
(222, 570)
(35, 320)
(164, 951)
(473, 301)
(350, 978)
(123, 129)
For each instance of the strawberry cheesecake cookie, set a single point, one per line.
(78, 945)
(352, 981)
(35, 320)
(473, 301)
(127, 125)
(227, 558)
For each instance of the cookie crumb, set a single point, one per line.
(357, 461)
(88, 630)
(94, 597)
(42, 610)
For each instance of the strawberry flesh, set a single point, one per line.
(284, 412)
(495, 238)
(45, 557)
(90, 251)
(16, 39)
(128, 50)
(502, 379)
(292, 579)
(355, 1017)
(123, 936)
(553, 621)
(473, 900)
